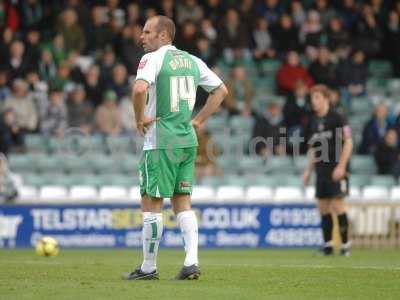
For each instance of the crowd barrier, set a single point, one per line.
(220, 225)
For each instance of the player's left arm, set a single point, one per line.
(341, 169)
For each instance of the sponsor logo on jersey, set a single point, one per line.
(142, 64)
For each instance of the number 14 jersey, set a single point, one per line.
(173, 77)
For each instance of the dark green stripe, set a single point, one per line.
(152, 245)
(153, 236)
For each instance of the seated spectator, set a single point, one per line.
(205, 52)
(263, 47)
(21, 102)
(58, 50)
(287, 36)
(98, 34)
(369, 36)
(32, 44)
(63, 79)
(108, 116)
(310, 34)
(80, 111)
(208, 30)
(393, 41)
(322, 70)
(46, 66)
(375, 129)
(325, 11)
(298, 13)
(127, 115)
(94, 86)
(271, 10)
(387, 155)
(71, 31)
(54, 121)
(337, 34)
(233, 38)
(8, 189)
(107, 63)
(130, 47)
(16, 63)
(352, 76)
(189, 10)
(11, 137)
(39, 91)
(119, 82)
(336, 103)
(268, 132)
(240, 92)
(296, 116)
(207, 155)
(290, 73)
(186, 38)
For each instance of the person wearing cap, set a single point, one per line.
(108, 116)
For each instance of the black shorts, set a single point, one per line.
(326, 188)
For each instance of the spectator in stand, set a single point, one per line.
(107, 63)
(287, 36)
(207, 155)
(240, 93)
(63, 79)
(54, 121)
(74, 37)
(387, 155)
(46, 66)
(131, 49)
(119, 82)
(80, 111)
(352, 77)
(393, 41)
(375, 129)
(39, 90)
(127, 116)
(108, 116)
(271, 10)
(208, 30)
(186, 39)
(291, 72)
(7, 36)
(336, 103)
(94, 86)
(58, 50)
(32, 45)
(189, 10)
(248, 13)
(21, 102)
(369, 36)
(5, 91)
(205, 51)
(325, 11)
(296, 115)
(16, 61)
(263, 46)
(8, 189)
(10, 19)
(298, 13)
(336, 34)
(168, 8)
(98, 34)
(214, 9)
(349, 13)
(323, 71)
(311, 33)
(269, 125)
(11, 137)
(115, 13)
(233, 39)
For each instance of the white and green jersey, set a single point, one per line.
(173, 77)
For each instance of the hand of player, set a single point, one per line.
(306, 176)
(196, 124)
(142, 126)
(338, 173)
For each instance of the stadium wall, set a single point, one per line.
(222, 225)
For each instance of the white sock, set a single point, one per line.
(151, 235)
(188, 223)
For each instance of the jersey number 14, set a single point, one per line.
(182, 88)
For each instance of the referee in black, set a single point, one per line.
(330, 147)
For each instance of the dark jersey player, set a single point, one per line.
(330, 150)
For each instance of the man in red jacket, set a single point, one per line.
(290, 73)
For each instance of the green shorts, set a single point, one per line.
(165, 172)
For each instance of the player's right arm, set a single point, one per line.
(310, 166)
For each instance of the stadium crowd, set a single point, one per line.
(70, 63)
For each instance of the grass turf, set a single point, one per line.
(227, 274)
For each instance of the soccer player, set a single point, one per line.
(164, 96)
(330, 151)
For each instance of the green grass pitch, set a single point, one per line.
(227, 274)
